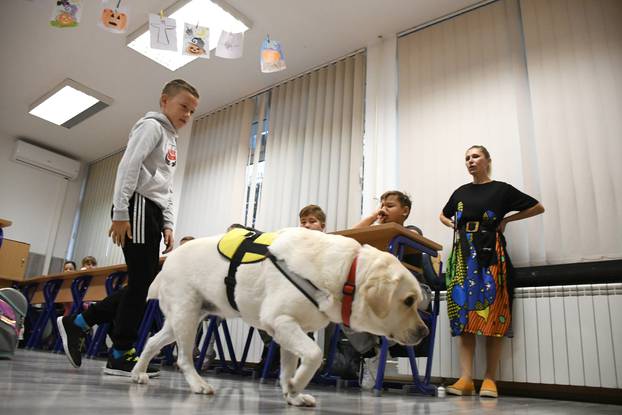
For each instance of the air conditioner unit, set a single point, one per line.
(34, 156)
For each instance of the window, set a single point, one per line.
(255, 165)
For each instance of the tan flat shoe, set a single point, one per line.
(462, 388)
(488, 389)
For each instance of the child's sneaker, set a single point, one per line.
(462, 388)
(370, 370)
(73, 338)
(123, 365)
(488, 389)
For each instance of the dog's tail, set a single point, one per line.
(154, 288)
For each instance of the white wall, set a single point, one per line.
(538, 83)
(183, 144)
(40, 204)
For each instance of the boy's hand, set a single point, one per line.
(119, 230)
(168, 240)
(380, 214)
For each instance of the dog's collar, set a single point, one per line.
(349, 289)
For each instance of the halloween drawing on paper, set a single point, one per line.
(196, 41)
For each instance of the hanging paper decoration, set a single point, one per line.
(272, 57)
(113, 17)
(196, 41)
(66, 13)
(230, 45)
(163, 32)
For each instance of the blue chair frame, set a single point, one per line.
(153, 320)
(234, 366)
(397, 247)
(50, 291)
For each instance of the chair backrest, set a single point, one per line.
(430, 275)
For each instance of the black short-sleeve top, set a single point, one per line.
(492, 201)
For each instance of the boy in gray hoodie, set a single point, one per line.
(141, 215)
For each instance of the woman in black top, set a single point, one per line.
(479, 271)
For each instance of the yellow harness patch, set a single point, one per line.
(229, 243)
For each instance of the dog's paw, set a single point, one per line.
(141, 378)
(202, 388)
(300, 399)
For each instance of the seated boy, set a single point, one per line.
(395, 207)
(88, 262)
(312, 217)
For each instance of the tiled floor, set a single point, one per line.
(44, 383)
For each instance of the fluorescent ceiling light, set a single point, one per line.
(69, 103)
(217, 15)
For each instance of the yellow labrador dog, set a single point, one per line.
(191, 285)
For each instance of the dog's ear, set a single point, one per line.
(378, 292)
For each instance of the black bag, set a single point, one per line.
(347, 360)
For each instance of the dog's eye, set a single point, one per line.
(409, 301)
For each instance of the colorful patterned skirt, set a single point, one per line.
(478, 298)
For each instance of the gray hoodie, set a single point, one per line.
(147, 167)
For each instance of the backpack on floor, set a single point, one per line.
(13, 307)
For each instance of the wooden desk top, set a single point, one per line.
(95, 272)
(379, 236)
(95, 292)
(5, 223)
(97, 287)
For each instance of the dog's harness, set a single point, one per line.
(247, 246)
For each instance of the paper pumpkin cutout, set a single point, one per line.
(66, 13)
(196, 41)
(114, 19)
(272, 57)
(113, 16)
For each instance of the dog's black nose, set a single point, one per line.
(417, 334)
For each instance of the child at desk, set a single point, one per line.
(395, 207)
(88, 262)
(69, 266)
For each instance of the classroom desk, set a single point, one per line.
(95, 292)
(384, 236)
(73, 287)
(97, 287)
(380, 236)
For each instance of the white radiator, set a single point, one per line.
(564, 335)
